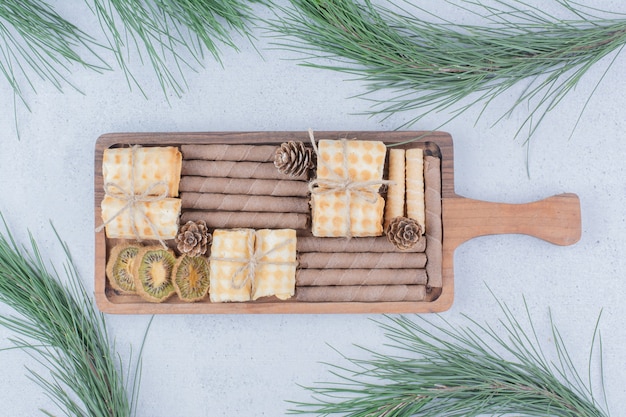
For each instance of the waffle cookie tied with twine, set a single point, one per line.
(247, 264)
(139, 184)
(344, 197)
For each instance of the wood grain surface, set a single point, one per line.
(556, 220)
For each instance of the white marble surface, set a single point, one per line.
(226, 365)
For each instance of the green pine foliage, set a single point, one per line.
(443, 369)
(426, 63)
(58, 326)
(172, 35)
(169, 35)
(37, 43)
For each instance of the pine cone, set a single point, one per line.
(193, 238)
(293, 158)
(403, 232)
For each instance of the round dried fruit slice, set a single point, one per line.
(119, 269)
(191, 277)
(153, 273)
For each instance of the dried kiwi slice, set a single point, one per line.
(153, 273)
(120, 266)
(191, 277)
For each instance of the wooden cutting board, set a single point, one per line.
(555, 219)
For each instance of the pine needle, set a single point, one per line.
(35, 42)
(449, 370)
(57, 325)
(172, 34)
(430, 64)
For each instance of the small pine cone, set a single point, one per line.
(193, 238)
(403, 232)
(293, 158)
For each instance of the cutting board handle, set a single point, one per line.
(555, 219)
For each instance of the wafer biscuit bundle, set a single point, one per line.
(345, 199)
(246, 264)
(139, 184)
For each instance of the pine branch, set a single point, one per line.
(448, 370)
(58, 327)
(35, 42)
(172, 34)
(437, 65)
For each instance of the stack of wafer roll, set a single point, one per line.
(422, 188)
(405, 195)
(233, 186)
(367, 269)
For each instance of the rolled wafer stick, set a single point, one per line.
(434, 233)
(242, 219)
(356, 244)
(356, 293)
(394, 203)
(415, 186)
(242, 202)
(251, 186)
(385, 260)
(346, 277)
(225, 152)
(232, 169)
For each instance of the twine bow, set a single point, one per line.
(133, 200)
(351, 189)
(250, 264)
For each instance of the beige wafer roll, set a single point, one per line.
(394, 204)
(251, 186)
(356, 244)
(232, 169)
(226, 152)
(356, 293)
(241, 202)
(384, 260)
(342, 277)
(415, 186)
(434, 231)
(242, 219)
